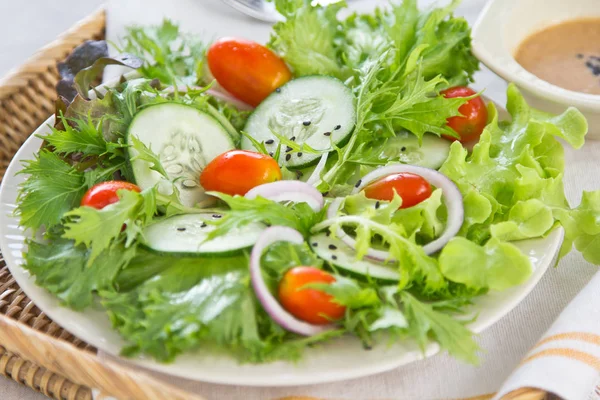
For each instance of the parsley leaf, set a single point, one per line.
(53, 188)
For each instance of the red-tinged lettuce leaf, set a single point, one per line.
(85, 78)
(82, 57)
(84, 65)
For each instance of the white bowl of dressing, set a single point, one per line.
(505, 25)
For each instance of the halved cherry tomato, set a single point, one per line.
(105, 193)
(474, 117)
(246, 69)
(411, 187)
(307, 304)
(238, 171)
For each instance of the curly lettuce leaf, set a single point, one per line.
(425, 322)
(98, 229)
(244, 211)
(582, 227)
(52, 188)
(497, 265)
(63, 269)
(306, 40)
(169, 55)
(512, 182)
(193, 303)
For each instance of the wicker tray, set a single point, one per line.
(35, 351)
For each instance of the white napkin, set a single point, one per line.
(566, 361)
(505, 344)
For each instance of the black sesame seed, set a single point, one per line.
(288, 149)
(332, 247)
(288, 157)
(358, 183)
(271, 154)
(306, 123)
(325, 194)
(377, 205)
(182, 229)
(580, 56)
(270, 141)
(278, 90)
(217, 216)
(403, 148)
(327, 233)
(334, 257)
(299, 154)
(203, 225)
(338, 127)
(315, 244)
(327, 134)
(293, 138)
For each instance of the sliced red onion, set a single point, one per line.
(295, 191)
(228, 98)
(286, 320)
(316, 175)
(452, 199)
(214, 92)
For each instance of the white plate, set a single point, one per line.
(338, 360)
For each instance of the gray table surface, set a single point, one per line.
(26, 26)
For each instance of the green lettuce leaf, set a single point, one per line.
(169, 55)
(63, 269)
(497, 265)
(98, 229)
(191, 303)
(52, 188)
(306, 40)
(244, 211)
(425, 322)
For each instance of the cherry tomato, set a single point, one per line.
(238, 171)
(246, 69)
(412, 188)
(474, 117)
(307, 304)
(105, 193)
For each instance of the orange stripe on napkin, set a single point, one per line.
(577, 355)
(581, 336)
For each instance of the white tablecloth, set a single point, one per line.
(504, 344)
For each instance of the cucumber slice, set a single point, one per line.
(185, 139)
(406, 148)
(316, 110)
(339, 254)
(185, 235)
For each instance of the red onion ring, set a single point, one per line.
(295, 191)
(286, 320)
(315, 177)
(452, 199)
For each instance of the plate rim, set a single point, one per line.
(27, 283)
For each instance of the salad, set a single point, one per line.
(341, 180)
